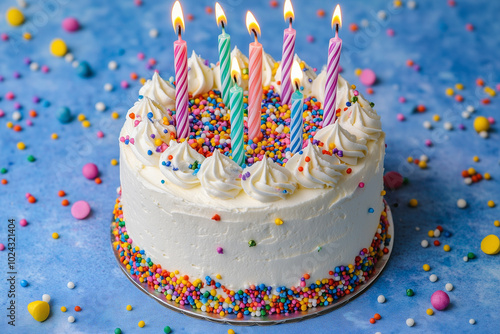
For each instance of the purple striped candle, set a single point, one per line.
(287, 55)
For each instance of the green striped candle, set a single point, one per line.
(224, 55)
(236, 118)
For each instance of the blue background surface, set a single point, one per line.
(433, 35)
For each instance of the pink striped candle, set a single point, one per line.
(181, 74)
(332, 71)
(255, 81)
(287, 55)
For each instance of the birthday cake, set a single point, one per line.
(310, 224)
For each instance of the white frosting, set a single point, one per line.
(141, 109)
(200, 76)
(268, 77)
(318, 170)
(344, 91)
(361, 122)
(351, 148)
(242, 62)
(307, 81)
(267, 181)
(179, 172)
(219, 176)
(159, 90)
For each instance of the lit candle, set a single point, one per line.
(237, 127)
(332, 71)
(288, 53)
(181, 73)
(296, 123)
(224, 54)
(255, 80)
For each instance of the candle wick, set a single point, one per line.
(223, 26)
(291, 20)
(337, 30)
(296, 85)
(234, 79)
(179, 32)
(255, 35)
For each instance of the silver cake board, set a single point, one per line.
(273, 319)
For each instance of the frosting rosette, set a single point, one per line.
(335, 136)
(200, 76)
(313, 169)
(159, 90)
(146, 108)
(176, 164)
(267, 181)
(361, 122)
(242, 63)
(220, 176)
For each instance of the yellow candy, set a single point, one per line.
(490, 244)
(436, 118)
(27, 35)
(54, 136)
(487, 176)
(475, 158)
(382, 193)
(471, 171)
(410, 159)
(491, 204)
(85, 124)
(481, 124)
(357, 72)
(446, 248)
(449, 91)
(413, 202)
(459, 86)
(429, 311)
(115, 115)
(422, 164)
(39, 310)
(230, 331)
(490, 91)
(430, 233)
(129, 307)
(55, 235)
(426, 267)
(141, 324)
(278, 221)
(63, 309)
(218, 276)
(14, 17)
(114, 162)
(9, 125)
(58, 48)
(81, 117)
(21, 145)
(496, 223)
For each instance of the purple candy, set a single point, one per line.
(90, 171)
(70, 24)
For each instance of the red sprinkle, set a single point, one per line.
(216, 217)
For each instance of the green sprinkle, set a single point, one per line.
(252, 243)
(31, 158)
(471, 255)
(409, 292)
(118, 331)
(3, 170)
(167, 330)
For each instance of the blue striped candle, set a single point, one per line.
(296, 124)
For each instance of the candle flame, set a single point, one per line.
(177, 17)
(337, 17)
(252, 24)
(235, 68)
(220, 16)
(288, 12)
(296, 73)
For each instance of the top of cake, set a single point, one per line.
(270, 171)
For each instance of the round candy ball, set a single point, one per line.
(83, 69)
(440, 300)
(70, 24)
(490, 245)
(368, 77)
(64, 115)
(58, 47)
(80, 210)
(90, 171)
(24, 283)
(14, 17)
(481, 124)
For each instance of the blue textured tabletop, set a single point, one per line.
(450, 44)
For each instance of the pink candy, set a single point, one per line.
(23, 222)
(70, 24)
(90, 171)
(401, 117)
(368, 77)
(440, 300)
(80, 210)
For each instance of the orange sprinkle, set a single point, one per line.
(409, 63)
(78, 308)
(377, 316)
(4, 181)
(33, 113)
(308, 159)
(320, 12)
(61, 193)
(133, 76)
(17, 128)
(98, 180)
(301, 169)
(65, 202)
(479, 82)
(190, 17)
(459, 98)
(353, 27)
(208, 9)
(132, 115)
(31, 199)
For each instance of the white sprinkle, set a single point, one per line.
(16, 115)
(381, 299)
(448, 286)
(448, 126)
(423, 157)
(365, 23)
(410, 322)
(378, 333)
(22, 3)
(70, 285)
(437, 233)
(71, 318)
(465, 114)
(461, 203)
(470, 109)
(424, 243)
(112, 65)
(465, 258)
(153, 33)
(483, 134)
(427, 125)
(108, 87)
(382, 14)
(417, 228)
(472, 321)
(46, 298)
(69, 57)
(75, 64)
(412, 4)
(100, 106)
(467, 180)
(433, 278)
(34, 66)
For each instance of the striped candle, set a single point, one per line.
(225, 64)
(181, 89)
(296, 124)
(287, 55)
(254, 90)
(236, 104)
(332, 71)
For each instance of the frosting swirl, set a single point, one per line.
(317, 170)
(306, 83)
(268, 69)
(159, 90)
(242, 62)
(362, 122)
(200, 76)
(266, 181)
(219, 176)
(141, 109)
(146, 131)
(335, 136)
(344, 92)
(177, 169)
